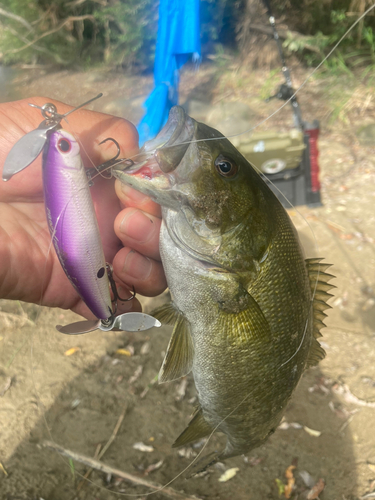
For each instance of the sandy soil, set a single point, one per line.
(77, 400)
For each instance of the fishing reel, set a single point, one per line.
(284, 93)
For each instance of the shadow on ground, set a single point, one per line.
(85, 393)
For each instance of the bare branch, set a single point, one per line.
(50, 32)
(20, 19)
(95, 464)
(101, 452)
(294, 35)
(23, 39)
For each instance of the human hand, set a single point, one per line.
(29, 268)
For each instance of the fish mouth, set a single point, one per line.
(174, 132)
(159, 157)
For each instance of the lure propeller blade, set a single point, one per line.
(128, 322)
(135, 322)
(24, 152)
(79, 327)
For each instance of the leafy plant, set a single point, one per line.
(119, 32)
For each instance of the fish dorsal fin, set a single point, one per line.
(316, 353)
(319, 283)
(197, 428)
(178, 360)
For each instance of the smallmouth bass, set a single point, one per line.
(247, 307)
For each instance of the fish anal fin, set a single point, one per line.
(197, 428)
(178, 360)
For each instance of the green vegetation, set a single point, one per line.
(325, 23)
(122, 33)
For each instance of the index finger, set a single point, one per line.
(91, 128)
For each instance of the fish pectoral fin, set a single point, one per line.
(319, 283)
(197, 428)
(167, 314)
(178, 360)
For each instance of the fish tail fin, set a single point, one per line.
(202, 464)
(319, 283)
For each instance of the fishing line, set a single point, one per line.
(295, 93)
(297, 211)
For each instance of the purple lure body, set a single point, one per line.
(72, 222)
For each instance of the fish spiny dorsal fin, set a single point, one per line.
(197, 428)
(319, 287)
(320, 276)
(178, 360)
(316, 353)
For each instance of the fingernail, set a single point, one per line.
(137, 266)
(134, 195)
(137, 226)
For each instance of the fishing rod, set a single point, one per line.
(304, 181)
(286, 90)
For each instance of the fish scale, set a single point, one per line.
(244, 313)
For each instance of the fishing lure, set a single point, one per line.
(72, 222)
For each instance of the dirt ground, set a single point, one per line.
(77, 400)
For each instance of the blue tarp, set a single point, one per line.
(178, 38)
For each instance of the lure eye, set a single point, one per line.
(64, 145)
(226, 167)
(100, 273)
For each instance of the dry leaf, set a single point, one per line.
(181, 389)
(307, 478)
(71, 351)
(315, 491)
(2, 468)
(371, 467)
(291, 481)
(312, 432)
(136, 374)
(145, 349)
(286, 425)
(343, 389)
(253, 461)
(123, 352)
(143, 447)
(153, 467)
(228, 474)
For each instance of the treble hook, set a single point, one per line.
(109, 163)
(112, 282)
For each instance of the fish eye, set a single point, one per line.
(64, 145)
(226, 166)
